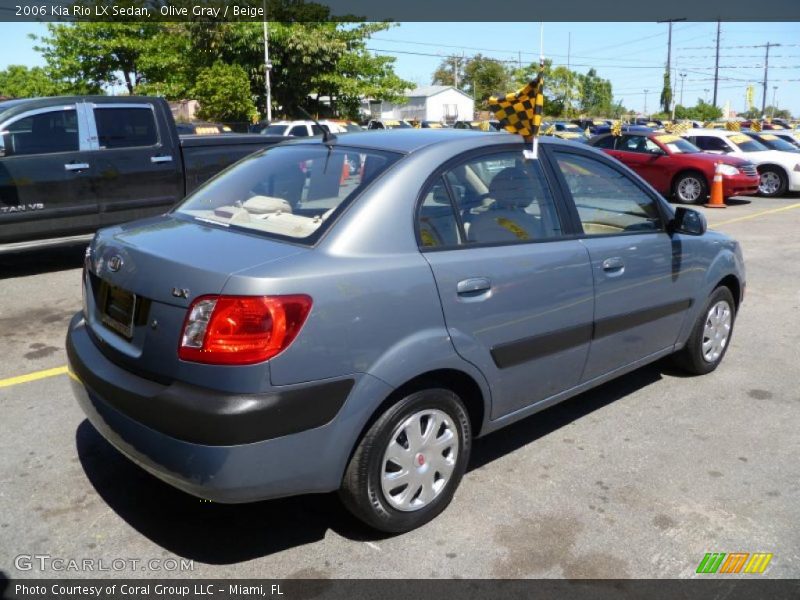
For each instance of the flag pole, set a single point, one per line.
(534, 155)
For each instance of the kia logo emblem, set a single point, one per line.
(115, 264)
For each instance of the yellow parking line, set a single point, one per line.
(35, 376)
(758, 214)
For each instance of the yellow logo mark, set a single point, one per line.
(518, 231)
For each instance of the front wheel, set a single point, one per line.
(408, 465)
(772, 182)
(710, 337)
(690, 188)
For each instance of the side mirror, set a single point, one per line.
(688, 221)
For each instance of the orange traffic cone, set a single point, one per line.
(345, 172)
(717, 200)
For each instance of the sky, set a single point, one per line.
(631, 55)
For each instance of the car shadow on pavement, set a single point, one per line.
(48, 260)
(225, 534)
(737, 201)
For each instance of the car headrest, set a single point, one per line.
(511, 188)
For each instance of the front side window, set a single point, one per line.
(287, 191)
(125, 127)
(43, 133)
(608, 201)
(503, 198)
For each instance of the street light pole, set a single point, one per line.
(267, 67)
(774, 91)
(683, 78)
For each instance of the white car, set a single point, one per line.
(293, 128)
(789, 135)
(779, 171)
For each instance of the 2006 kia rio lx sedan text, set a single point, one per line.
(350, 313)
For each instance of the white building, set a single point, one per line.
(428, 103)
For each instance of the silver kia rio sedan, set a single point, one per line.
(349, 314)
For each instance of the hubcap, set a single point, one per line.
(689, 189)
(770, 183)
(419, 460)
(716, 331)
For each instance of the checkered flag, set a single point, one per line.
(755, 126)
(521, 112)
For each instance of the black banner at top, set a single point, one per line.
(394, 10)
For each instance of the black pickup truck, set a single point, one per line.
(71, 165)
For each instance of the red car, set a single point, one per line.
(677, 168)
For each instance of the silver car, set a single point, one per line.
(350, 314)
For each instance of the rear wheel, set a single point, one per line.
(407, 467)
(690, 188)
(708, 342)
(772, 182)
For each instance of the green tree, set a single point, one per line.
(21, 82)
(595, 94)
(91, 55)
(666, 93)
(703, 111)
(223, 92)
(485, 77)
(445, 73)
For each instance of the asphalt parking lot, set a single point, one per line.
(639, 478)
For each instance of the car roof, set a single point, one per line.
(410, 140)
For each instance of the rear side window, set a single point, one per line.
(123, 127)
(709, 143)
(289, 192)
(299, 131)
(43, 133)
(436, 222)
(608, 201)
(606, 142)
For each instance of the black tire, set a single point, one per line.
(700, 184)
(361, 490)
(690, 358)
(780, 190)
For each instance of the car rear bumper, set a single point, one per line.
(225, 448)
(740, 185)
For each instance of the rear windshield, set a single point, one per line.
(288, 192)
(275, 130)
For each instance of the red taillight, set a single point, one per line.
(241, 330)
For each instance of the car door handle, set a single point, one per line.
(613, 265)
(76, 166)
(160, 159)
(473, 286)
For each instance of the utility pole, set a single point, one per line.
(267, 67)
(766, 77)
(645, 101)
(455, 71)
(716, 67)
(669, 58)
